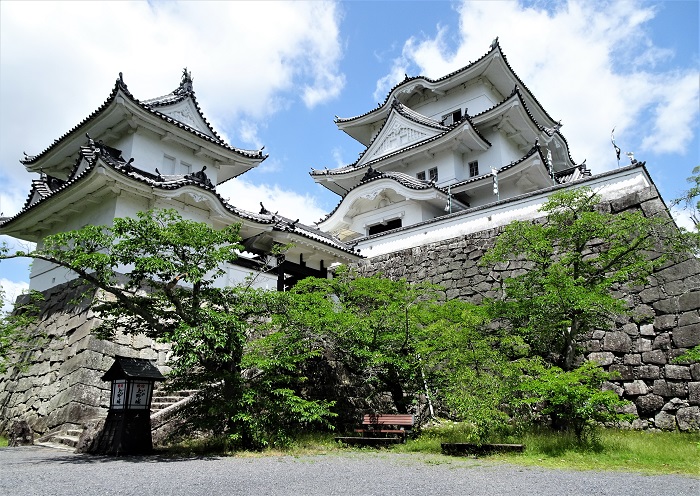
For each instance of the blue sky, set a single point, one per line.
(276, 74)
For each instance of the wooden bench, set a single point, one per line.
(382, 429)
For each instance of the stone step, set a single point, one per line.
(159, 393)
(65, 439)
(56, 446)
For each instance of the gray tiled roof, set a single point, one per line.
(413, 116)
(401, 178)
(494, 47)
(46, 187)
(150, 106)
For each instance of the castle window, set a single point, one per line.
(421, 175)
(474, 168)
(452, 117)
(433, 174)
(387, 226)
(168, 166)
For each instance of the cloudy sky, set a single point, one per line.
(276, 74)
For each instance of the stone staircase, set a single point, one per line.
(164, 406)
(163, 399)
(65, 439)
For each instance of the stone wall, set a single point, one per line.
(664, 322)
(62, 386)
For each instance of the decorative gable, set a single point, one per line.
(186, 112)
(398, 133)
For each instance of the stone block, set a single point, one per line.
(687, 336)
(642, 345)
(695, 371)
(617, 342)
(688, 318)
(678, 372)
(592, 345)
(603, 358)
(674, 405)
(647, 330)
(643, 314)
(669, 389)
(648, 405)
(621, 372)
(688, 419)
(679, 271)
(665, 421)
(640, 425)
(663, 322)
(677, 288)
(598, 334)
(611, 386)
(667, 306)
(632, 359)
(655, 357)
(650, 295)
(662, 342)
(694, 393)
(653, 207)
(648, 372)
(689, 301)
(635, 388)
(624, 203)
(630, 329)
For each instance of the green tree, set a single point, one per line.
(472, 369)
(572, 399)
(155, 275)
(369, 326)
(573, 261)
(19, 335)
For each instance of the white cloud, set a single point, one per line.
(248, 60)
(248, 196)
(589, 59)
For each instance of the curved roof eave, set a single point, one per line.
(120, 88)
(446, 134)
(535, 150)
(93, 154)
(404, 180)
(435, 84)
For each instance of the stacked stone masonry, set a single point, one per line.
(640, 348)
(62, 387)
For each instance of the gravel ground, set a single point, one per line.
(43, 471)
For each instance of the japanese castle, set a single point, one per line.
(444, 159)
(466, 152)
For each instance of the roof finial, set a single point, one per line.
(186, 81)
(494, 43)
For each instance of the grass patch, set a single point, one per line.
(647, 452)
(611, 449)
(632, 451)
(3, 442)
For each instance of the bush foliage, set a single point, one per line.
(271, 364)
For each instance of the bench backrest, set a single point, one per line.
(388, 419)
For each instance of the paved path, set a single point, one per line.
(47, 472)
